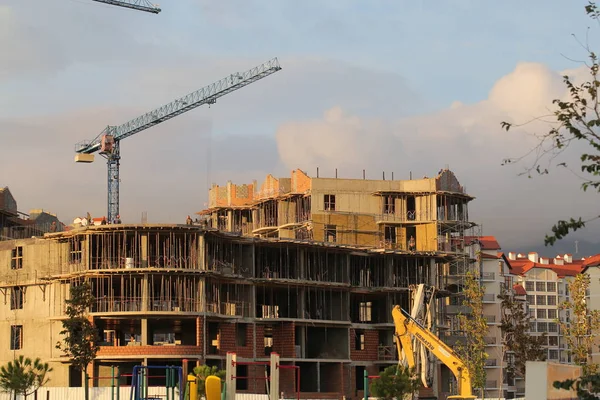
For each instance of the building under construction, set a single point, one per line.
(307, 268)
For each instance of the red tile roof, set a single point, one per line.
(522, 265)
(486, 242)
(519, 290)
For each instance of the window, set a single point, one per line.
(390, 234)
(329, 202)
(16, 337)
(531, 299)
(75, 247)
(532, 327)
(551, 300)
(540, 300)
(552, 313)
(542, 327)
(330, 233)
(532, 312)
(365, 311)
(240, 335)
(552, 340)
(17, 258)
(552, 327)
(529, 286)
(16, 298)
(541, 313)
(359, 340)
(540, 286)
(553, 354)
(551, 287)
(389, 205)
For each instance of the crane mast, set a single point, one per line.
(140, 5)
(107, 143)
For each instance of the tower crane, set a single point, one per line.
(140, 5)
(107, 142)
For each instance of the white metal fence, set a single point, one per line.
(104, 393)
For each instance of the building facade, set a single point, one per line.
(426, 215)
(186, 295)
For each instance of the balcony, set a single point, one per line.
(491, 362)
(452, 340)
(488, 276)
(387, 353)
(489, 298)
(491, 384)
(454, 309)
(490, 340)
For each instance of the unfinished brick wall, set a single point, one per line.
(142, 351)
(287, 382)
(284, 339)
(371, 344)
(301, 183)
(228, 342)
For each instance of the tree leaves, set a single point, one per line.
(515, 334)
(23, 376)
(577, 119)
(80, 341)
(394, 383)
(473, 352)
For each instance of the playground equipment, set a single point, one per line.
(271, 377)
(114, 382)
(173, 380)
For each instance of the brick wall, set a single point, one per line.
(284, 339)
(228, 340)
(150, 351)
(287, 382)
(370, 353)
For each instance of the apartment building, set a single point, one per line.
(185, 295)
(425, 214)
(591, 267)
(545, 280)
(481, 256)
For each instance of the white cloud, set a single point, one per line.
(468, 138)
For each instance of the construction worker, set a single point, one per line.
(188, 220)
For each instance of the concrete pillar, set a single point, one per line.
(201, 253)
(201, 296)
(145, 294)
(144, 251)
(229, 221)
(144, 332)
(274, 393)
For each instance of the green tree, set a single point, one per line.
(23, 376)
(573, 120)
(80, 341)
(204, 371)
(583, 322)
(395, 382)
(472, 351)
(515, 335)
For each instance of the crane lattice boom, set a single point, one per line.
(140, 5)
(107, 142)
(207, 95)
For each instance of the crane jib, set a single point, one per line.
(108, 141)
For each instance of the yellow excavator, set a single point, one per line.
(407, 327)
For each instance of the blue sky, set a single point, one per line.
(70, 67)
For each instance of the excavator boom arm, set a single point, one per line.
(406, 325)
